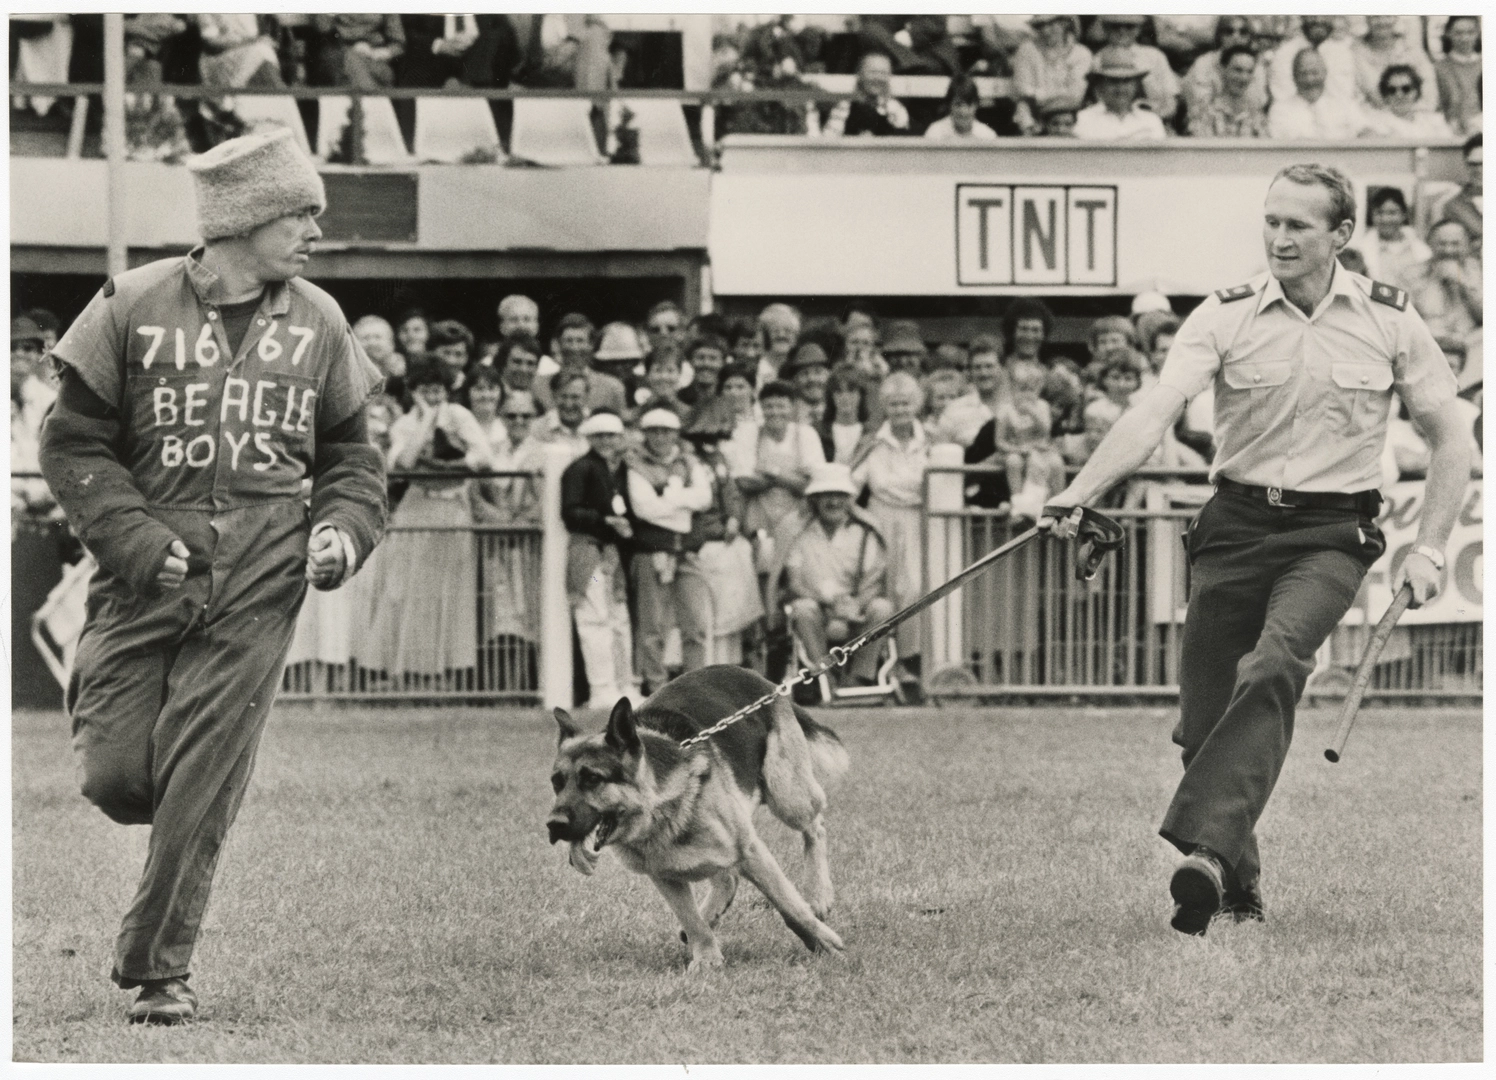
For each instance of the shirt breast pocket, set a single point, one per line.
(1358, 398)
(1248, 386)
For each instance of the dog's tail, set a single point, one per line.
(828, 757)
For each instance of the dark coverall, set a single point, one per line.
(170, 689)
(1278, 554)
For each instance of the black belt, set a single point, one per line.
(1368, 502)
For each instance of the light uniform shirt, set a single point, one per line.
(1301, 401)
(944, 129)
(1326, 118)
(830, 564)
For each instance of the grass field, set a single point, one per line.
(388, 896)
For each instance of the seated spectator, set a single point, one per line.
(413, 331)
(844, 421)
(667, 487)
(563, 423)
(423, 631)
(1457, 75)
(785, 454)
(359, 50)
(1468, 206)
(707, 355)
(1312, 113)
(1052, 66)
(808, 371)
(1110, 332)
(48, 324)
(452, 344)
(1119, 379)
(435, 49)
(1447, 293)
(862, 347)
(1160, 86)
(1231, 109)
(1207, 73)
(32, 381)
(1338, 82)
(872, 110)
(836, 570)
(778, 330)
(594, 508)
(1118, 82)
(236, 55)
(1392, 252)
(1383, 47)
(960, 119)
(661, 389)
(574, 346)
(892, 465)
(1182, 38)
(521, 315)
(1402, 115)
(1057, 117)
(825, 332)
(153, 122)
(904, 347)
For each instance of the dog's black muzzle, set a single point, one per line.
(559, 827)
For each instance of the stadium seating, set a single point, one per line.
(554, 131)
(450, 129)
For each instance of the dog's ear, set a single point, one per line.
(622, 734)
(568, 726)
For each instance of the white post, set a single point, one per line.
(943, 552)
(555, 608)
(117, 260)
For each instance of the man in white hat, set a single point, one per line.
(1118, 80)
(198, 393)
(594, 508)
(837, 568)
(667, 487)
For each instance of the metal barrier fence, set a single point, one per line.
(447, 608)
(1028, 628)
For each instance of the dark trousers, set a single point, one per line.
(169, 696)
(1268, 585)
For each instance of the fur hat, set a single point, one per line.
(245, 182)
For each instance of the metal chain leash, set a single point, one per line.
(835, 657)
(1100, 533)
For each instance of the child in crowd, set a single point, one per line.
(1119, 379)
(661, 389)
(1022, 430)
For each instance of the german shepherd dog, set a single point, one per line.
(686, 815)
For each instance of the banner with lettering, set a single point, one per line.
(1461, 597)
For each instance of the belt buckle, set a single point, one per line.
(1275, 496)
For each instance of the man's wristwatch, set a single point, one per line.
(1433, 555)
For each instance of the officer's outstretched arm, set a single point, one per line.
(1126, 446)
(1443, 494)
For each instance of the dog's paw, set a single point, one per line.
(821, 909)
(704, 960)
(827, 940)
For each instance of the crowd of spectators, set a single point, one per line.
(1112, 77)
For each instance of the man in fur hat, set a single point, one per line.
(197, 394)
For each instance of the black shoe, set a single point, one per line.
(1244, 903)
(1198, 888)
(164, 1001)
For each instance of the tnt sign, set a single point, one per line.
(1060, 234)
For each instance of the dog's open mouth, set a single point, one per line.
(584, 852)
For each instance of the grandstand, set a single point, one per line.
(608, 164)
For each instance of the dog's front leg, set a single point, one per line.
(699, 936)
(761, 868)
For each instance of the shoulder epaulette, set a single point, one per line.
(1390, 295)
(109, 287)
(1241, 292)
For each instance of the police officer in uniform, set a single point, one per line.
(198, 394)
(1304, 360)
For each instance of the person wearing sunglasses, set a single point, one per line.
(1402, 115)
